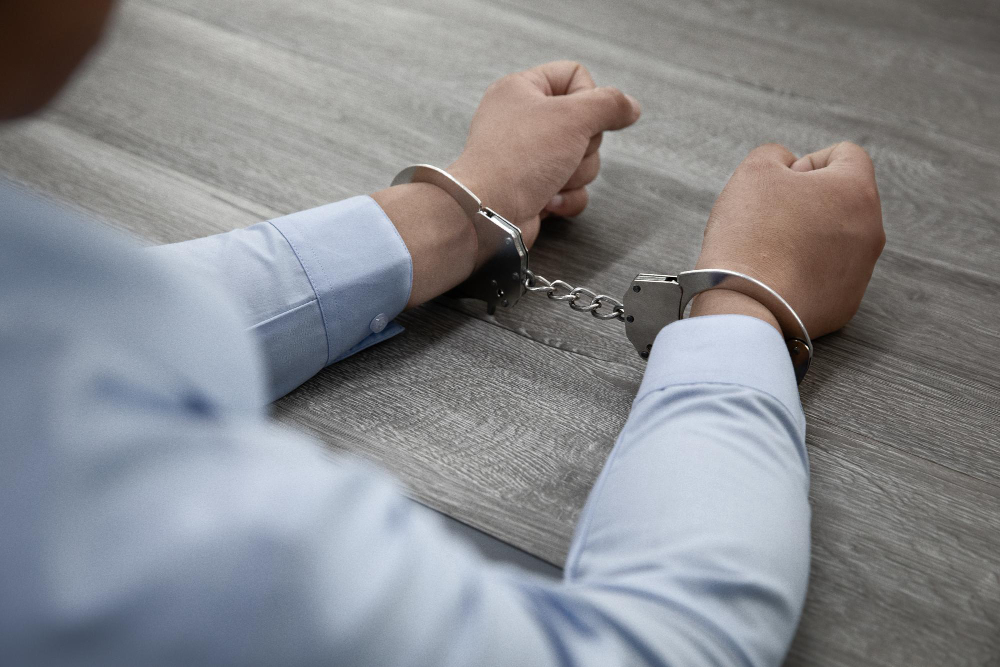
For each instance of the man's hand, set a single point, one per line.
(534, 141)
(809, 228)
(532, 149)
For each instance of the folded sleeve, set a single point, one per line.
(313, 287)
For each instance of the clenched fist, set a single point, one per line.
(531, 150)
(809, 228)
(533, 143)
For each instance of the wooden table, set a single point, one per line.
(199, 117)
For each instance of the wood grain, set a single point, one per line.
(904, 568)
(202, 117)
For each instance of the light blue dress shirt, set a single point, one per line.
(152, 514)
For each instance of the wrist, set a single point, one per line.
(486, 186)
(439, 236)
(728, 302)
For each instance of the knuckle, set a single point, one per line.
(861, 157)
(586, 172)
(870, 196)
(852, 147)
(594, 165)
(868, 209)
(612, 96)
(866, 195)
(762, 157)
(501, 83)
(880, 240)
(579, 202)
(576, 68)
(756, 164)
(875, 243)
(494, 87)
(767, 149)
(617, 98)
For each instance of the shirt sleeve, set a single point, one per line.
(693, 548)
(238, 542)
(313, 287)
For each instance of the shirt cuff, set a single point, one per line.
(724, 349)
(357, 265)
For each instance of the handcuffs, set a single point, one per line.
(501, 277)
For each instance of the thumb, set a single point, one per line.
(604, 108)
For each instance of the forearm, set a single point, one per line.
(312, 287)
(693, 548)
(317, 285)
(697, 531)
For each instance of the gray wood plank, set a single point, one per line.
(697, 125)
(148, 200)
(200, 117)
(931, 64)
(905, 568)
(503, 433)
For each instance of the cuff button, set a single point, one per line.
(378, 323)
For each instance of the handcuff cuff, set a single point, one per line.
(652, 301)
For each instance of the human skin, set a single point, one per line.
(810, 228)
(42, 42)
(535, 136)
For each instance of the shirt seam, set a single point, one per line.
(283, 313)
(319, 301)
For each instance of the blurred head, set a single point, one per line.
(41, 43)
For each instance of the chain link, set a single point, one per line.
(552, 289)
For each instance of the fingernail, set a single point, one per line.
(556, 202)
(635, 104)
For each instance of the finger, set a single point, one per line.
(604, 108)
(585, 173)
(568, 203)
(805, 163)
(772, 153)
(815, 160)
(563, 77)
(840, 155)
(595, 143)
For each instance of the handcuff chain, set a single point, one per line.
(536, 283)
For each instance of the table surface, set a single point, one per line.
(199, 117)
